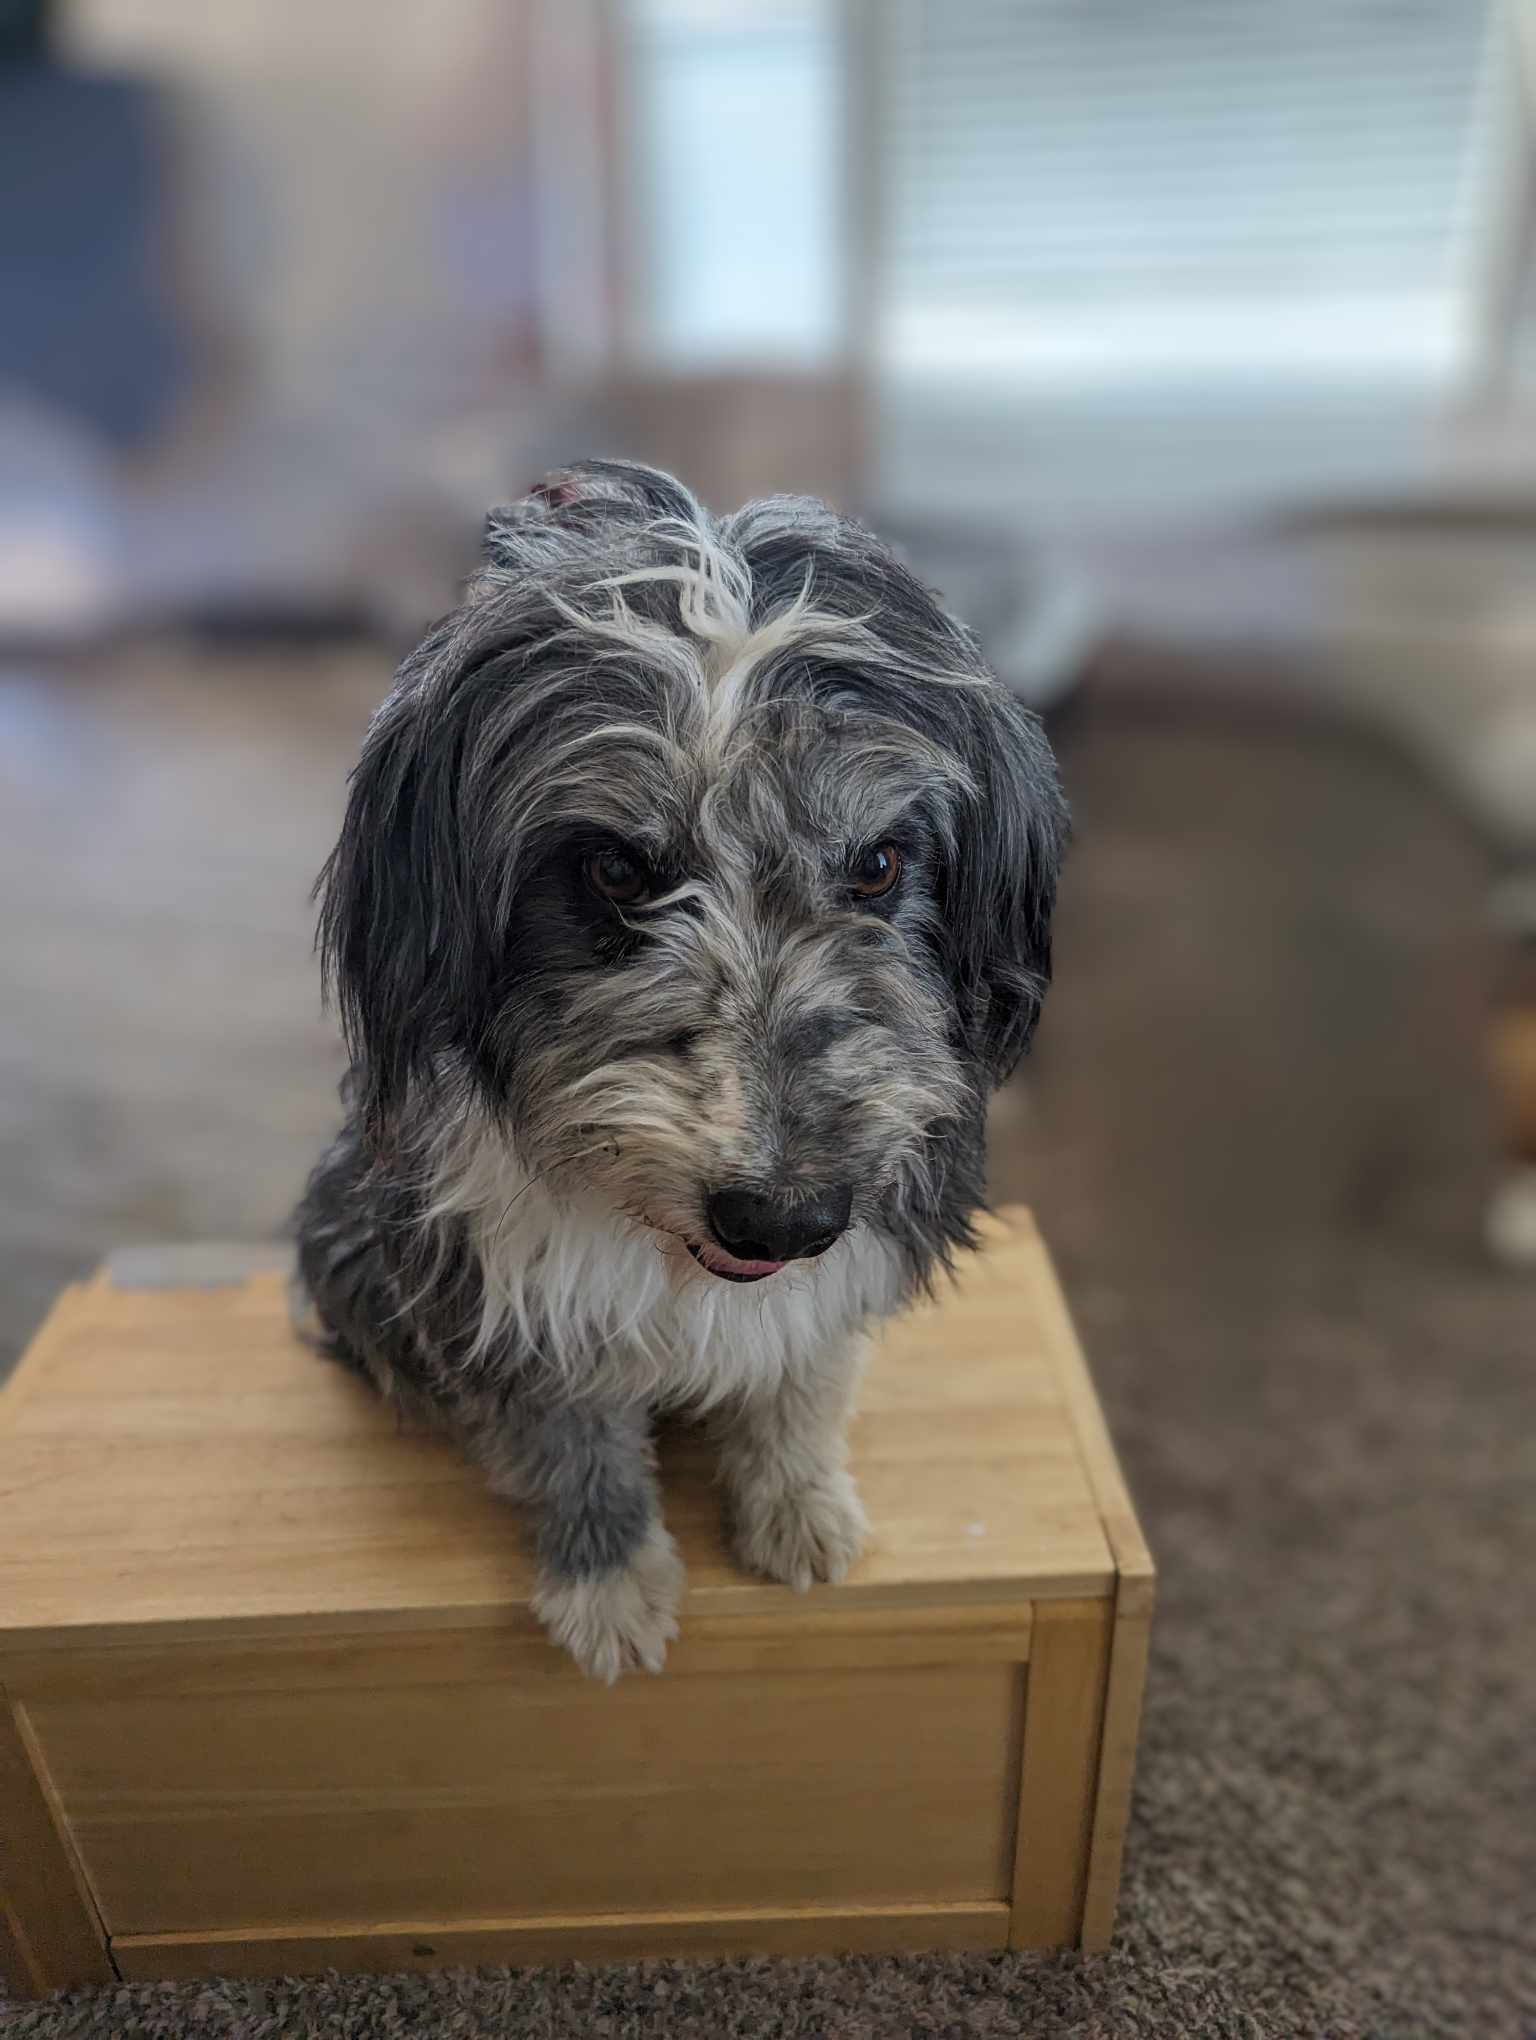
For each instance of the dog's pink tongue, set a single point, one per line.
(728, 1264)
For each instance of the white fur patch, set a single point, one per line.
(620, 1621)
(720, 649)
(606, 1301)
(800, 1534)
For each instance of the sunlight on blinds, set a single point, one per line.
(1083, 191)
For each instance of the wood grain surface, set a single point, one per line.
(389, 1945)
(1057, 1779)
(513, 1798)
(277, 1688)
(178, 1461)
(50, 1933)
(1135, 1587)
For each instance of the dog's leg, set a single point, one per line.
(795, 1513)
(610, 1578)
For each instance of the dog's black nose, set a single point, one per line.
(756, 1225)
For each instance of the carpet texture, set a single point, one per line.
(1256, 1137)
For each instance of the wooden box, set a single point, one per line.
(274, 1700)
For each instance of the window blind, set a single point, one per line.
(1135, 189)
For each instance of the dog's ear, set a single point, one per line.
(1001, 888)
(393, 934)
(584, 501)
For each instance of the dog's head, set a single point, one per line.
(706, 862)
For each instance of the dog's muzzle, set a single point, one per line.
(755, 1232)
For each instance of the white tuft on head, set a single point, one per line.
(719, 649)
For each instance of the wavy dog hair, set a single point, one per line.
(554, 1077)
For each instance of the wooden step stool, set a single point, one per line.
(274, 1699)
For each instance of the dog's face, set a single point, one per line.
(706, 863)
(727, 1005)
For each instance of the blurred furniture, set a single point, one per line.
(24, 29)
(1512, 1059)
(1413, 619)
(88, 327)
(735, 434)
(277, 1700)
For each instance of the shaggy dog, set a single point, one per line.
(694, 892)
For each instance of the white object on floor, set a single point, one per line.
(1510, 1227)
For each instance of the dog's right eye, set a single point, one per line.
(874, 872)
(614, 875)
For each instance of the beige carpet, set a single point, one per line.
(1255, 1134)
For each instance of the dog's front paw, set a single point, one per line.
(619, 1621)
(801, 1534)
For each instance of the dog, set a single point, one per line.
(693, 894)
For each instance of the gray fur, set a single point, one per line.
(546, 1088)
(588, 1467)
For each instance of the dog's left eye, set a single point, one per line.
(614, 875)
(874, 872)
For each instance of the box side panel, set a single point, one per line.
(1129, 1643)
(50, 1935)
(1134, 1588)
(808, 1635)
(524, 1799)
(1063, 1718)
(21, 1974)
(621, 1937)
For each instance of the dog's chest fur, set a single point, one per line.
(610, 1304)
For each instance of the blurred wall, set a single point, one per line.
(1006, 264)
(357, 186)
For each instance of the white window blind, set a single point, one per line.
(1142, 190)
